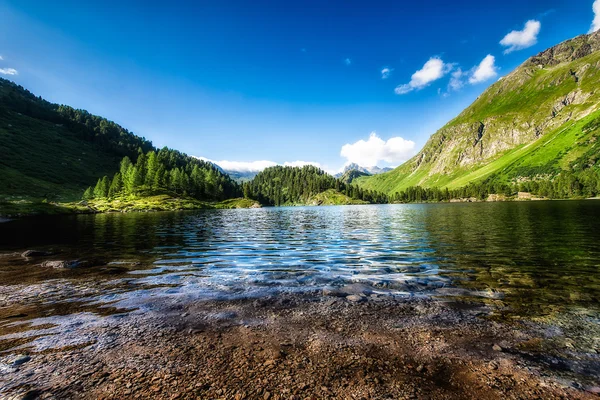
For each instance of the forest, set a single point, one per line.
(279, 185)
(170, 170)
(90, 128)
(183, 175)
(566, 185)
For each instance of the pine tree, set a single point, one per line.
(152, 166)
(88, 194)
(116, 185)
(132, 180)
(125, 167)
(101, 188)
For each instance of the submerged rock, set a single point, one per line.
(67, 264)
(354, 298)
(35, 253)
(331, 291)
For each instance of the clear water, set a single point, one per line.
(532, 258)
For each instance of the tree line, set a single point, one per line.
(565, 185)
(280, 185)
(106, 134)
(166, 169)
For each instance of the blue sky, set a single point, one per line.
(278, 81)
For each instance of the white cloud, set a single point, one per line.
(8, 71)
(301, 164)
(519, 40)
(257, 166)
(242, 166)
(596, 21)
(370, 152)
(456, 80)
(485, 70)
(347, 61)
(386, 72)
(1, 58)
(433, 70)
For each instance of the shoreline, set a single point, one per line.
(77, 208)
(297, 347)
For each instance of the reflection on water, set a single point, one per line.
(532, 258)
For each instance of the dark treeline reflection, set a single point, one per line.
(526, 258)
(110, 236)
(541, 256)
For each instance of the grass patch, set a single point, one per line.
(332, 197)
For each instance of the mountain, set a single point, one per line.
(538, 122)
(378, 170)
(241, 176)
(365, 170)
(237, 176)
(54, 151)
(351, 175)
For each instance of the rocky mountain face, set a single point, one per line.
(549, 92)
(375, 170)
(350, 175)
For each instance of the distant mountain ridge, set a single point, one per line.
(245, 176)
(537, 122)
(240, 176)
(374, 170)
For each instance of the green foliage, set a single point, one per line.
(54, 151)
(279, 185)
(351, 175)
(550, 102)
(238, 203)
(116, 186)
(566, 185)
(332, 197)
(167, 170)
(101, 189)
(88, 194)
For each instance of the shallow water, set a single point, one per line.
(528, 259)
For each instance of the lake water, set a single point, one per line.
(528, 259)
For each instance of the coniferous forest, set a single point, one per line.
(170, 170)
(279, 185)
(142, 169)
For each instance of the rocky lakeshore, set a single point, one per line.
(389, 302)
(300, 347)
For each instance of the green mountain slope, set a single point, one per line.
(53, 151)
(351, 175)
(541, 119)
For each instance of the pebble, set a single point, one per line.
(497, 347)
(354, 298)
(21, 359)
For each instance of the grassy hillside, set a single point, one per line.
(54, 152)
(536, 122)
(51, 151)
(351, 175)
(332, 197)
